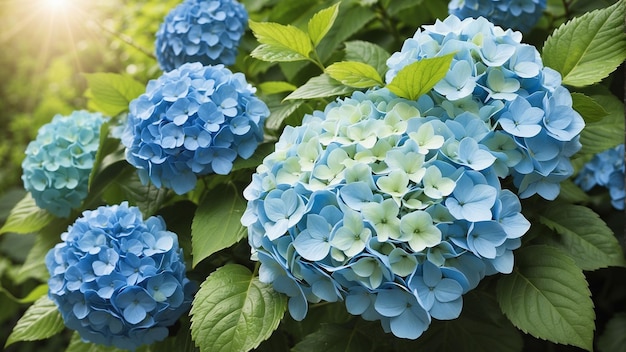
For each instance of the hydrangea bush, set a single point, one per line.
(492, 71)
(520, 15)
(192, 121)
(386, 204)
(606, 169)
(377, 193)
(202, 31)
(59, 161)
(119, 280)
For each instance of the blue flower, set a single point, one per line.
(517, 14)
(192, 121)
(605, 169)
(119, 280)
(58, 162)
(498, 92)
(396, 209)
(208, 32)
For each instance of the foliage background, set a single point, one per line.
(45, 56)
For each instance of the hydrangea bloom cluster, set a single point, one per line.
(191, 121)
(606, 169)
(58, 162)
(202, 31)
(516, 14)
(536, 128)
(386, 204)
(118, 280)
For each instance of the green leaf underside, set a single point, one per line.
(588, 48)
(420, 77)
(547, 296)
(335, 338)
(26, 217)
(474, 330)
(217, 222)
(607, 133)
(321, 23)
(320, 87)
(234, 311)
(283, 42)
(588, 108)
(354, 74)
(584, 236)
(368, 53)
(112, 92)
(280, 112)
(40, 321)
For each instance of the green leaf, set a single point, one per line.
(420, 77)
(355, 74)
(368, 53)
(34, 295)
(547, 296)
(606, 133)
(571, 193)
(352, 18)
(40, 321)
(234, 311)
(34, 266)
(280, 42)
(275, 87)
(320, 87)
(481, 327)
(588, 48)
(588, 108)
(112, 92)
(321, 22)
(256, 159)
(106, 146)
(148, 198)
(26, 217)
(279, 112)
(217, 223)
(613, 339)
(583, 235)
(78, 345)
(335, 338)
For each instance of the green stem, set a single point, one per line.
(316, 60)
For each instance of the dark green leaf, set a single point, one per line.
(234, 311)
(354, 74)
(335, 338)
(584, 236)
(606, 133)
(420, 77)
(256, 159)
(588, 108)
(217, 223)
(613, 339)
(587, 49)
(547, 296)
(320, 87)
(280, 111)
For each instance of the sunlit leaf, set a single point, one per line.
(40, 321)
(354, 74)
(588, 48)
(319, 87)
(420, 77)
(26, 217)
(112, 92)
(321, 23)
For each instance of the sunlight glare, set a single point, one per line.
(57, 5)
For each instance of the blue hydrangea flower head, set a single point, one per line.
(520, 15)
(205, 31)
(528, 122)
(119, 280)
(58, 162)
(192, 121)
(387, 204)
(606, 169)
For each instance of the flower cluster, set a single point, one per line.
(58, 162)
(118, 280)
(191, 121)
(493, 73)
(202, 31)
(516, 14)
(606, 169)
(384, 203)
